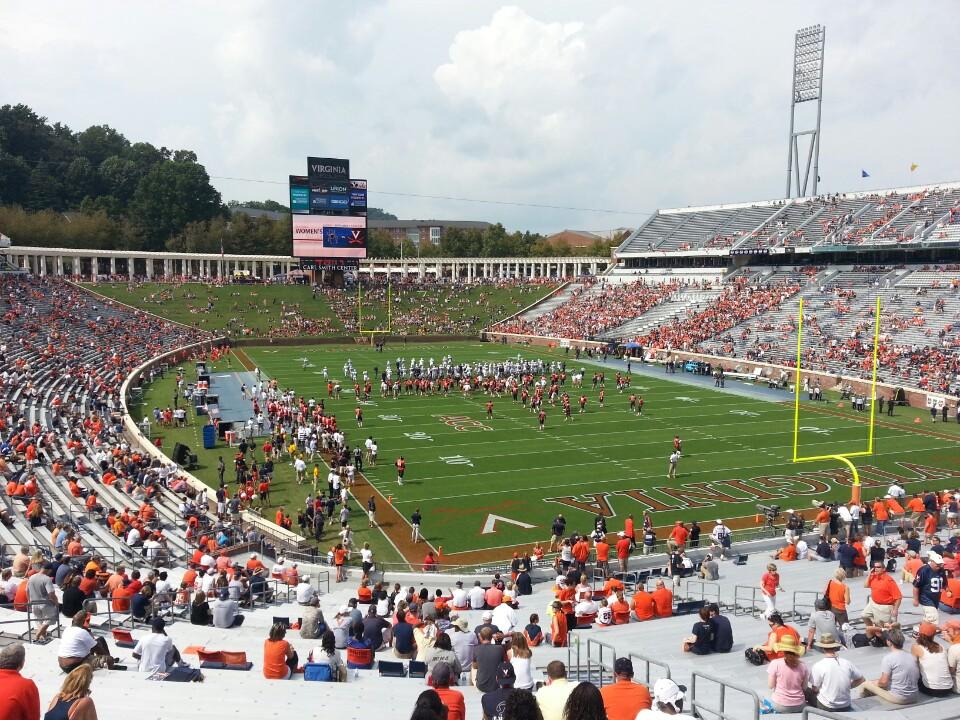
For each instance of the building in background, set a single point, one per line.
(423, 232)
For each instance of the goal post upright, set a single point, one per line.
(845, 456)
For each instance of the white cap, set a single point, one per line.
(668, 692)
(344, 609)
(934, 557)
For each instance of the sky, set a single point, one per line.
(583, 106)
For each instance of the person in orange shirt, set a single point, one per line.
(838, 592)
(678, 536)
(279, 658)
(611, 586)
(787, 553)
(915, 506)
(278, 519)
(558, 626)
(778, 631)
(623, 698)
(629, 531)
(883, 606)
(823, 521)
(929, 527)
(644, 606)
(254, 564)
(620, 609)
(911, 566)
(663, 599)
(121, 597)
(452, 700)
(881, 516)
(581, 552)
(602, 548)
(339, 559)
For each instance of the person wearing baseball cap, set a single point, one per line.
(494, 702)
(667, 700)
(440, 679)
(936, 679)
(623, 698)
(927, 587)
(156, 651)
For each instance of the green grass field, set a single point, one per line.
(254, 310)
(736, 451)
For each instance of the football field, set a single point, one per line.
(488, 486)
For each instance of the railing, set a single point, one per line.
(600, 658)
(804, 600)
(32, 621)
(701, 706)
(704, 590)
(743, 594)
(647, 664)
(812, 712)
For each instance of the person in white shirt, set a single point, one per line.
(305, 592)
(586, 606)
(156, 651)
(78, 646)
(896, 492)
(505, 615)
(460, 599)
(802, 549)
(721, 539)
(207, 581)
(834, 677)
(133, 537)
(477, 596)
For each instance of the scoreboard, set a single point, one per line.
(328, 213)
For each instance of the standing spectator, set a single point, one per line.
(721, 540)
(787, 677)
(623, 551)
(41, 590)
(883, 605)
(935, 677)
(899, 674)
(832, 678)
(838, 593)
(73, 700)
(20, 696)
(552, 697)
(769, 584)
(585, 703)
(623, 698)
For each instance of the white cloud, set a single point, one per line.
(558, 102)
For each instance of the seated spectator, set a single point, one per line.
(620, 609)
(833, 677)
(667, 701)
(279, 658)
(441, 678)
(623, 698)
(936, 679)
(200, 610)
(79, 647)
(459, 598)
(760, 654)
(821, 622)
(306, 593)
(20, 696)
(700, 641)
(494, 702)
(442, 651)
(375, 629)
(709, 569)
(486, 659)
(788, 553)
(604, 613)
(787, 676)
(823, 552)
(663, 598)
(533, 632)
(463, 641)
(403, 645)
(644, 606)
(156, 651)
(225, 612)
(552, 697)
(73, 700)
(899, 673)
(326, 652)
(521, 658)
(721, 631)
(73, 597)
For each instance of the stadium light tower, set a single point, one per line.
(807, 87)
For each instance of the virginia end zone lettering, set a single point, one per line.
(660, 498)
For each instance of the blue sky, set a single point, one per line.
(612, 105)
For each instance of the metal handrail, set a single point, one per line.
(746, 593)
(647, 663)
(708, 591)
(799, 607)
(698, 706)
(31, 620)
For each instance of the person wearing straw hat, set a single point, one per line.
(788, 677)
(833, 677)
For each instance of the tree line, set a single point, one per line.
(97, 189)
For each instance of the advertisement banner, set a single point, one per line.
(324, 236)
(358, 199)
(299, 199)
(339, 202)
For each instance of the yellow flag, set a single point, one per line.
(913, 166)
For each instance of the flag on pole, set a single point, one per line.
(864, 173)
(913, 166)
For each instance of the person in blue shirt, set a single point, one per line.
(404, 646)
(722, 632)
(930, 581)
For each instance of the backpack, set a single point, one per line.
(860, 640)
(755, 656)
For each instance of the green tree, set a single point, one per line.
(43, 189)
(170, 196)
(98, 142)
(80, 180)
(380, 244)
(120, 177)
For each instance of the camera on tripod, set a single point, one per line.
(772, 512)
